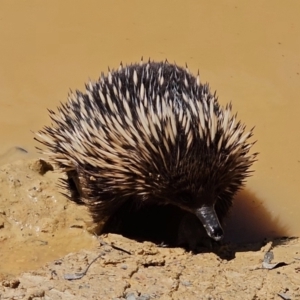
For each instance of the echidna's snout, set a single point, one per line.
(210, 221)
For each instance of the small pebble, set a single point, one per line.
(14, 283)
(143, 297)
(186, 283)
(130, 296)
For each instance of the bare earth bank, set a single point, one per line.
(46, 245)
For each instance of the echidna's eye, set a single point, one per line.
(185, 197)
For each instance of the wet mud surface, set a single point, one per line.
(48, 251)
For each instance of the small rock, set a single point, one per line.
(41, 166)
(143, 297)
(35, 293)
(131, 296)
(186, 283)
(14, 283)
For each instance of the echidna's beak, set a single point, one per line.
(210, 221)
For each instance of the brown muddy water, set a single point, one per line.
(249, 52)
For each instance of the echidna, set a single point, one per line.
(150, 133)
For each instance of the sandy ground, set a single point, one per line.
(46, 244)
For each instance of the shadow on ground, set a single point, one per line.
(248, 227)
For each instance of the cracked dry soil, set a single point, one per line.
(46, 238)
